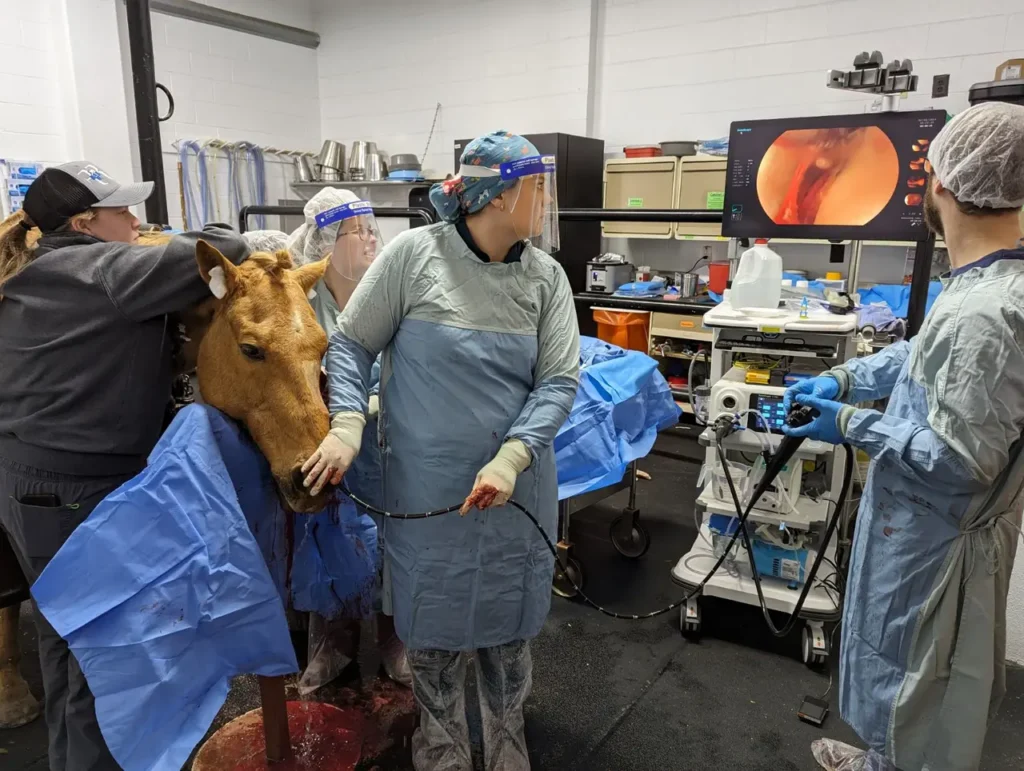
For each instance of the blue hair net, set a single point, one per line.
(457, 197)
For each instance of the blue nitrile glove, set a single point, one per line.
(822, 386)
(825, 427)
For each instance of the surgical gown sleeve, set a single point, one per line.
(557, 372)
(971, 369)
(873, 377)
(365, 327)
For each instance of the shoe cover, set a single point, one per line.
(833, 755)
(392, 655)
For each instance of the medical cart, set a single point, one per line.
(750, 353)
(628, 536)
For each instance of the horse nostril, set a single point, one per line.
(298, 479)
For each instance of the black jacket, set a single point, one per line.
(86, 344)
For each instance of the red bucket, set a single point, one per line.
(718, 276)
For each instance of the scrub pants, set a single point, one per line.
(37, 533)
(504, 676)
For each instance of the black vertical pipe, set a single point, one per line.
(918, 301)
(140, 41)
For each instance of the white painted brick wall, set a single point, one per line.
(686, 69)
(232, 86)
(385, 65)
(31, 121)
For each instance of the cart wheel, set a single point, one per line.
(814, 646)
(690, 619)
(563, 585)
(629, 537)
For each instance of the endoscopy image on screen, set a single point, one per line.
(834, 176)
(837, 177)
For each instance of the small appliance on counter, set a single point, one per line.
(608, 272)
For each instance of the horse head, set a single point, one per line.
(259, 359)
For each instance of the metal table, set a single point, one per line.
(628, 536)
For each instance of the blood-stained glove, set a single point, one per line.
(335, 453)
(496, 481)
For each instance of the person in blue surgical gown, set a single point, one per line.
(924, 627)
(479, 370)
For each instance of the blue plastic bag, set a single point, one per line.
(178, 580)
(897, 296)
(163, 595)
(623, 401)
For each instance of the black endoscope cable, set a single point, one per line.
(741, 528)
(829, 531)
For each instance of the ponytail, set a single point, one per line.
(15, 251)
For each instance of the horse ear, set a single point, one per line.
(216, 269)
(308, 275)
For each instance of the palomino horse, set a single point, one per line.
(258, 346)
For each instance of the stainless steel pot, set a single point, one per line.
(359, 160)
(404, 162)
(332, 155)
(688, 286)
(327, 174)
(308, 160)
(304, 171)
(374, 172)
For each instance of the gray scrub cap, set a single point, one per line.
(979, 156)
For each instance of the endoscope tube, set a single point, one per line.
(775, 466)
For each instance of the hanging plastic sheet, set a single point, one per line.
(174, 584)
(622, 403)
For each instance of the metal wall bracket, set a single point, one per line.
(187, 9)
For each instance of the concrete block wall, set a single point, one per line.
(233, 86)
(31, 113)
(492, 65)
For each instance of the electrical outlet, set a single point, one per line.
(940, 86)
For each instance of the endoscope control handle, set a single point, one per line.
(801, 415)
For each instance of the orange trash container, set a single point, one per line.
(626, 329)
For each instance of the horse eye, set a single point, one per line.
(252, 352)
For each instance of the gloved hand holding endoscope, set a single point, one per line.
(824, 426)
(822, 386)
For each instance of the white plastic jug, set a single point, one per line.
(758, 282)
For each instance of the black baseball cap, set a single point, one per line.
(61, 192)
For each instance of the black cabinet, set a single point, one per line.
(579, 163)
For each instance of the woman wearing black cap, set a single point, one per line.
(86, 347)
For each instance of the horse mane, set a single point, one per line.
(275, 265)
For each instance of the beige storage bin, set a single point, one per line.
(639, 183)
(701, 186)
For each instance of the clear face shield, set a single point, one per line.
(358, 241)
(532, 204)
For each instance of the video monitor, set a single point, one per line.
(837, 177)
